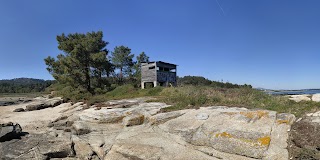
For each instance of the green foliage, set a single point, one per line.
(197, 96)
(69, 92)
(122, 59)
(24, 85)
(83, 72)
(142, 57)
(84, 60)
(201, 81)
(126, 90)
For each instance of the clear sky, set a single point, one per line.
(267, 43)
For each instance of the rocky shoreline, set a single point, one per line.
(305, 97)
(135, 129)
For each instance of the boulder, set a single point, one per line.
(18, 110)
(279, 135)
(37, 146)
(298, 98)
(316, 97)
(80, 128)
(82, 148)
(234, 131)
(133, 119)
(53, 102)
(9, 131)
(42, 103)
(35, 106)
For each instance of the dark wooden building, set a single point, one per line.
(158, 73)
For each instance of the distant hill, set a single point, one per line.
(201, 81)
(24, 85)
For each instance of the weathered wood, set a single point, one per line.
(147, 74)
(161, 73)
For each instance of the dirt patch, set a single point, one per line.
(304, 142)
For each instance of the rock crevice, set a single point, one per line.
(134, 129)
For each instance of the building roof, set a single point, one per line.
(160, 62)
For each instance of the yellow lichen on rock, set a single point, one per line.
(265, 141)
(248, 114)
(252, 114)
(282, 121)
(231, 113)
(224, 134)
(261, 114)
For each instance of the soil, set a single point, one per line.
(31, 121)
(304, 143)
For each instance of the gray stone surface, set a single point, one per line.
(42, 103)
(18, 110)
(298, 98)
(202, 116)
(9, 131)
(207, 133)
(133, 119)
(316, 97)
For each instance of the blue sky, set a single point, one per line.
(267, 43)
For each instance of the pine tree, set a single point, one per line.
(84, 57)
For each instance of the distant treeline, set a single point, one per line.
(201, 81)
(24, 85)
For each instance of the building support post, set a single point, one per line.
(155, 83)
(142, 85)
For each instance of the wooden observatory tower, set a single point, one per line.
(158, 73)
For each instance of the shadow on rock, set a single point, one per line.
(9, 131)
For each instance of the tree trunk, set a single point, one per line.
(121, 72)
(100, 78)
(88, 80)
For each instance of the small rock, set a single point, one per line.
(80, 128)
(18, 110)
(53, 134)
(309, 114)
(299, 119)
(202, 116)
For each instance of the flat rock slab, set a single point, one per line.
(298, 98)
(231, 130)
(37, 146)
(141, 131)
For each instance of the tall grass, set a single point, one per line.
(194, 97)
(197, 96)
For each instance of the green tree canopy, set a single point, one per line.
(84, 57)
(122, 59)
(142, 57)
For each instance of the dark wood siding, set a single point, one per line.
(164, 76)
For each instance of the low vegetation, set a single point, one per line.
(185, 97)
(85, 71)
